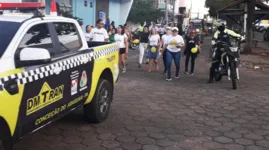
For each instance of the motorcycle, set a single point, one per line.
(229, 61)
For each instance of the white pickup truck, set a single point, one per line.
(49, 69)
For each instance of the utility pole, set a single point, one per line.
(174, 3)
(166, 11)
(250, 19)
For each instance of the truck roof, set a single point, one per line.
(22, 17)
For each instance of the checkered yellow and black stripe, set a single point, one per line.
(66, 64)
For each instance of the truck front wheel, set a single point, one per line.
(97, 110)
(5, 144)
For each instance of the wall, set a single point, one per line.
(125, 9)
(85, 13)
(102, 5)
(115, 11)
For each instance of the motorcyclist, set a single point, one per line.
(222, 34)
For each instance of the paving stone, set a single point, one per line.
(75, 147)
(125, 139)
(264, 143)
(222, 139)
(243, 141)
(110, 144)
(106, 137)
(145, 141)
(151, 147)
(233, 135)
(165, 142)
(234, 147)
(131, 146)
(156, 136)
(212, 145)
(253, 136)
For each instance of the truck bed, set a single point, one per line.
(95, 44)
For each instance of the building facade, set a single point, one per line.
(91, 10)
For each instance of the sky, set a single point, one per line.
(197, 6)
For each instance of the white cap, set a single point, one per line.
(174, 28)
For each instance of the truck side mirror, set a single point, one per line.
(33, 56)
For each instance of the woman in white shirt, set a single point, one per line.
(88, 31)
(153, 48)
(174, 45)
(122, 40)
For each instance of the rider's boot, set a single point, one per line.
(210, 81)
(211, 74)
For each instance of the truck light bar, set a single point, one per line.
(24, 5)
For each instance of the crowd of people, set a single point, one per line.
(168, 42)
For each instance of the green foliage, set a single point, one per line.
(143, 10)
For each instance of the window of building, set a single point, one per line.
(37, 36)
(68, 36)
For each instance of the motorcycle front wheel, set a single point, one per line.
(233, 75)
(218, 76)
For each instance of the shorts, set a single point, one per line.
(152, 55)
(122, 50)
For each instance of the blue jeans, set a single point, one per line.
(169, 57)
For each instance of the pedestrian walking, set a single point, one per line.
(191, 51)
(144, 38)
(153, 48)
(175, 44)
(122, 40)
(164, 46)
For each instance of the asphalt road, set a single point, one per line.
(150, 113)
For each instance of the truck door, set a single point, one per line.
(55, 88)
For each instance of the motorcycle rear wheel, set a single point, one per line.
(233, 75)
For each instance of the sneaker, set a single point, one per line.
(139, 66)
(177, 77)
(164, 73)
(192, 74)
(186, 72)
(123, 70)
(169, 79)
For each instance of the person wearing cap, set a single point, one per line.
(164, 46)
(192, 42)
(174, 45)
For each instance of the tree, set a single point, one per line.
(143, 10)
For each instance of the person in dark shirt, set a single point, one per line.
(144, 38)
(192, 41)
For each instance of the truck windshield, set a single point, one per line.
(7, 32)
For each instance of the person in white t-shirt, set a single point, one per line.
(174, 45)
(153, 48)
(164, 48)
(99, 34)
(122, 39)
(88, 31)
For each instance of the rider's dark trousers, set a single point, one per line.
(215, 63)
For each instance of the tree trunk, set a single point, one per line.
(250, 19)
